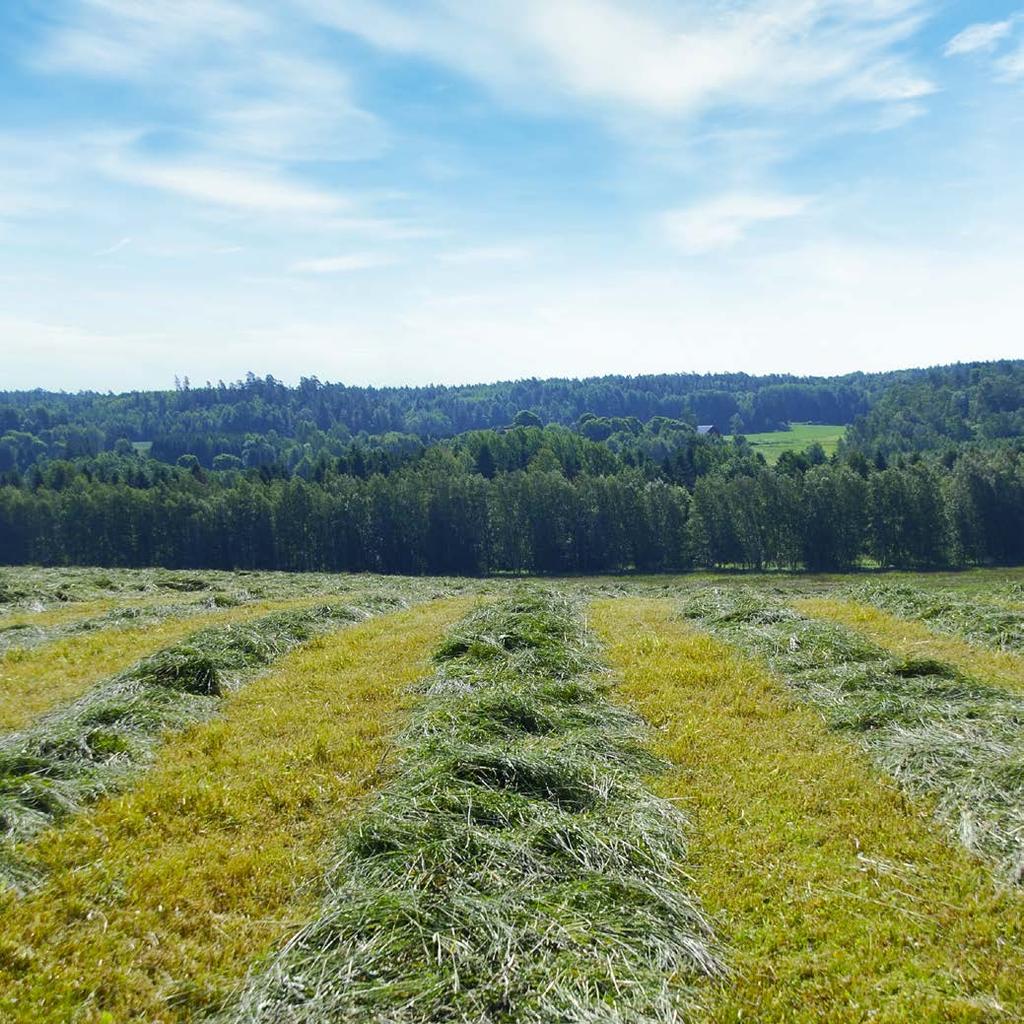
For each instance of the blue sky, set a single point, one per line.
(392, 192)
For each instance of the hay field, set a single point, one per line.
(306, 798)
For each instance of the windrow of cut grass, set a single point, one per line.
(837, 897)
(158, 900)
(915, 640)
(34, 681)
(25, 588)
(515, 868)
(77, 753)
(940, 733)
(989, 622)
(32, 630)
(53, 590)
(27, 620)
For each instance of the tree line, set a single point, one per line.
(261, 421)
(457, 510)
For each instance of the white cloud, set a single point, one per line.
(888, 82)
(226, 186)
(117, 38)
(1011, 67)
(342, 264)
(116, 247)
(285, 104)
(725, 220)
(829, 306)
(249, 83)
(659, 58)
(981, 36)
(487, 254)
(383, 229)
(985, 37)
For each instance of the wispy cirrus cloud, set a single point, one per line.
(985, 38)
(723, 221)
(122, 38)
(234, 188)
(241, 76)
(511, 253)
(345, 264)
(666, 60)
(532, 171)
(109, 250)
(1011, 67)
(982, 36)
(238, 107)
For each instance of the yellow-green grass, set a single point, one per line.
(159, 901)
(62, 613)
(79, 611)
(837, 899)
(915, 640)
(800, 436)
(35, 680)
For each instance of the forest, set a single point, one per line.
(601, 475)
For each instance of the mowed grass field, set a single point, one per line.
(261, 797)
(796, 439)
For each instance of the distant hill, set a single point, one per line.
(913, 409)
(922, 469)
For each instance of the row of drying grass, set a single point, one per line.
(837, 898)
(515, 868)
(915, 640)
(45, 590)
(32, 681)
(936, 730)
(75, 754)
(49, 590)
(992, 623)
(157, 901)
(29, 620)
(28, 630)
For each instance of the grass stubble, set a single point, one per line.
(516, 868)
(836, 896)
(157, 901)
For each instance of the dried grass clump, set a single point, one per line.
(515, 869)
(936, 729)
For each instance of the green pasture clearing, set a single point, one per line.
(835, 897)
(158, 901)
(800, 436)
